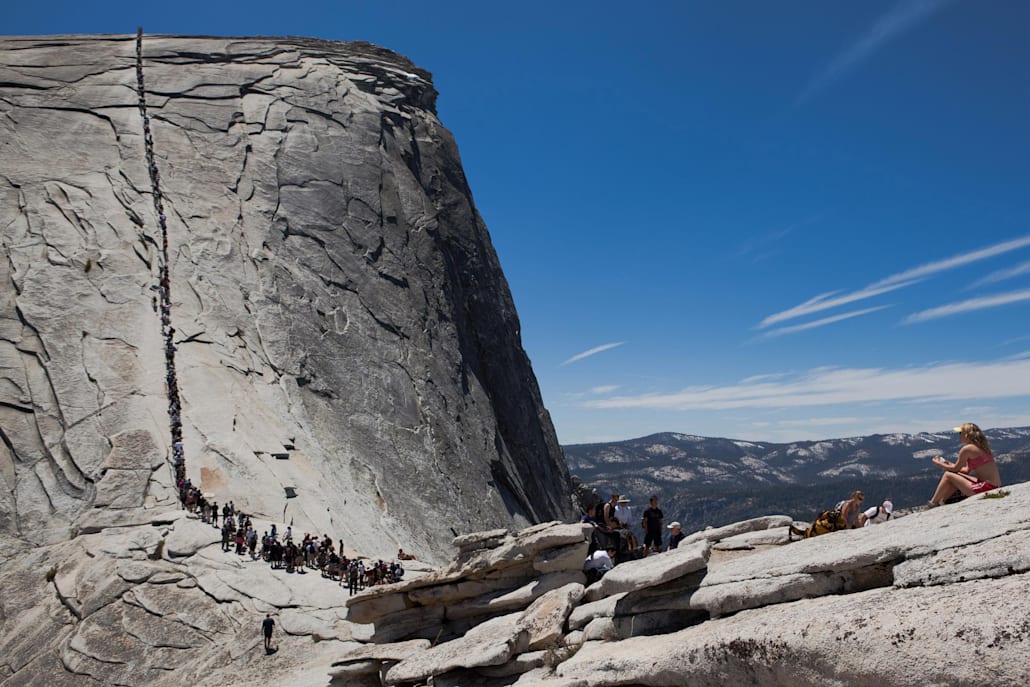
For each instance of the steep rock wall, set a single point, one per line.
(342, 324)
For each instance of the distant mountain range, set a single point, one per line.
(704, 481)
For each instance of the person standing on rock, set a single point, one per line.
(653, 524)
(352, 579)
(266, 626)
(624, 513)
(974, 472)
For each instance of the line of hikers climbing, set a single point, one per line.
(237, 527)
(162, 302)
(280, 550)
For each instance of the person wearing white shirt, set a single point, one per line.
(623, 513)
(878, 514)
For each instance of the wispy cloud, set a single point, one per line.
(823, 322)
(820, 303)
(604, 389)
(968, 306)
(763, 246)
(592, 351)
(902, 18)
(764, 378)
(893, 282)
(834, 386)
(1002, 275)
(931, 268)
(828, 421)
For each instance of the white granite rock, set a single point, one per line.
(904, 638)
(714, 534)
(651, 571)
(748, 540)
(493, 642)
(545, 617)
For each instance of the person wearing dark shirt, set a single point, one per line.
(266, 626)
(653, 523)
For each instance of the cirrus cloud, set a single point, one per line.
(592, 351)
(835, 386)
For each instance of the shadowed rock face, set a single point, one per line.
(342, 323)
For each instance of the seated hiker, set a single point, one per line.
(598, 563)
(851, 509)
(675, 536)
(608, 519)
(877, 514)
(590, 516)
(973, 472)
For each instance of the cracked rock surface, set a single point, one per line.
(342, 324)
(342, 329)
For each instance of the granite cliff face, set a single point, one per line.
(342, 325)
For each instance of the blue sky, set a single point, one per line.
(763, 220)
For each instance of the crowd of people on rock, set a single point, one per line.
(613, 541)
(283, 552)
(237, 529)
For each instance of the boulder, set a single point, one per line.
(492, 642)
(602, 608)
(519, 598)
(774, 536)
(651, 571)
(715, 534)
(188, 536)
(883, 636)
(545, 618)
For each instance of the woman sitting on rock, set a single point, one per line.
(974, 472)
(852, 508)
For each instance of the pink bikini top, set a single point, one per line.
(982, 458)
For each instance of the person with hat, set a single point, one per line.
(877, 514)
(623, 513)
(675, 536)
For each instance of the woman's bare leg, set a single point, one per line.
(949, 484)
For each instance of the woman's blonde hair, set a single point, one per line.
(976, 437)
